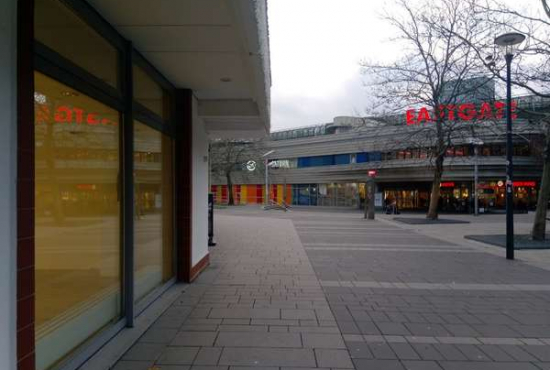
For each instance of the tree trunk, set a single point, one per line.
(231, 200)
(436, 184)
(539, 225)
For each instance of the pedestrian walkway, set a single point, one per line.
(332, 290)
(259, 305)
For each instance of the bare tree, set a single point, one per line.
(530, 73)
(229, 156)
(437, 71)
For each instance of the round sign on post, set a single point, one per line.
(251, 166)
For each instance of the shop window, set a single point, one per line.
(362, 157)
(153, 232)
(342, 159)
(485, 151)
(521, 150)
(498, 150)
(150, 94)
(77, 219)
(61, 30)
(459, 151)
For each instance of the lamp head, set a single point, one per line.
(509, 42)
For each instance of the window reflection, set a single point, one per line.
(153, 217)
(77, 222)
(57, 27)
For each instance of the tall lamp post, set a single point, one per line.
(267, 176)
(508, 44)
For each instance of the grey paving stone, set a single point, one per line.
(144, 352)
(362, 364)
(496, 331)
(236, 322)
(287, 314)
(333, 358)
(185, 328)
(392, 328)
(542, 353)
(243, 328)
(450, 352)
(382, 351)
(461, 365)
(255, 368)
(461, 330)
(194, 339)
(322, 340)
(267, 357)
(133, 365)
(178, 356)
(245, 313)
(495, 353)
(421, 365)
(158, 335)
(348, 327)
(275, 322)
(517, 353)
(208, 356)
(259, 339)
(404, 351)
(359, 350)
(472, 352)
(427, 330)
(427, 351)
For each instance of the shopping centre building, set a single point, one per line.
(329, 164)
(107, 108)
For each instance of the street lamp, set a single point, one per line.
(266, 176)
(476, 143)
(508, 44)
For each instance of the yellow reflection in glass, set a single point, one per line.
(60, 29)
(77, 222)
(153, 214)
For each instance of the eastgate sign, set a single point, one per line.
(460, 112)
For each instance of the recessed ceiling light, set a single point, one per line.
(225, 79)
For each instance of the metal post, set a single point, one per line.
(266, 183)
(476, 180)
(509, 164)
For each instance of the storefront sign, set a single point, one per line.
(528, 184)
(448, 184)
(460, 112)
(372, 173)
(71, 115)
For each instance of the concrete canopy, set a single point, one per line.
(217, 48)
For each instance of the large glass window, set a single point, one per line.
(153, 220)
(150, 94)
(77, 222)
(61, 30)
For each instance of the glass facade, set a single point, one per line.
(80, 183)
(77, 219)
(150, 94)
(153, 218)
(60, 29)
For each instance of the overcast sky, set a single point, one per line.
(316, 47)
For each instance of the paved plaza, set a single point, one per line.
(327, 289)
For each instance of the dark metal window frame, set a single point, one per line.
(57, 67)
